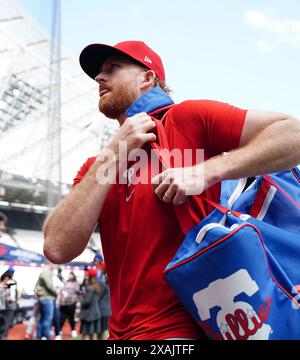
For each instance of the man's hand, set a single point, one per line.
(175, 184)
(134, 132)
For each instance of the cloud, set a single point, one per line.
(285, 31)
(265, 46)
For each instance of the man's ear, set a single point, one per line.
(149, 79)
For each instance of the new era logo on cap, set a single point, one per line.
(148, 60)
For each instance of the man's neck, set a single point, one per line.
(150, 101)
(121, 119)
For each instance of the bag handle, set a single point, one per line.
(183, 212)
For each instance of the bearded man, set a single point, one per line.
(139, 229)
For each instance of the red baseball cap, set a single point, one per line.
(91, 272)
(94, 55)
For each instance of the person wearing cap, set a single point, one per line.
(8, 303)
(11, 297)
(100, 265)
(90, 317)
(139, 230)
(105, 307)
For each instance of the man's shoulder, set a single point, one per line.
(189, 112)
(186, 112)
(84, 169)
(90, 161)
(196, 105)
(188, 109)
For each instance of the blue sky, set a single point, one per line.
(244, 52)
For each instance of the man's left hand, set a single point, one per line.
(175, 184)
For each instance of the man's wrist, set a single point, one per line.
(117, 152)
(214, 171)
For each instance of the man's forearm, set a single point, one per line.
(275, 148)
(70, 225)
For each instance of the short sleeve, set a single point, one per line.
(212, 125)
(83, 170)
(224, 126)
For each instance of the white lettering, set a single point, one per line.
(123, 350)
(235, 320)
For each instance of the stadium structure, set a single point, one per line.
(49, 125)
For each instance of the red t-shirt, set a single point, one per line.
(140, 234)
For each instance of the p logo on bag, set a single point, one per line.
(235, 320)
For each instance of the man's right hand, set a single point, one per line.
(134, 132)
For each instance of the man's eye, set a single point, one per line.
(114, 66)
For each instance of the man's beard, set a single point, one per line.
(117, 102)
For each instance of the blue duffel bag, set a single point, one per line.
(237, 272)
(238, 276)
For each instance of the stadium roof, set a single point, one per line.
(25, 50)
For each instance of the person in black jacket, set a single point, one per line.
(90, 323)
(11, 299)
(105, 307)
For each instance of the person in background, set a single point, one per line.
(11, 297)
(98, 263)
(58, 282)
(59, 274)
(3, 284)
(11, 292)
(89, 316)
(4, 312)
(68, 300)
(84, 283)
(105, 308)
(46, 294)
(30, 332)
(12, 282)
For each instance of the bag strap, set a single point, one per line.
(183, 212)
(265, 194)
(270, 181)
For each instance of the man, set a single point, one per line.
(139, 230)
(58, 283)
(98, 263)
(8, 291)
(105, 308)
(12, 296)
(6, 312)
(4, 319)
(46, 294)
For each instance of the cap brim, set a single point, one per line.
(94, 55)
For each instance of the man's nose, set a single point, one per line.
(101, 77)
